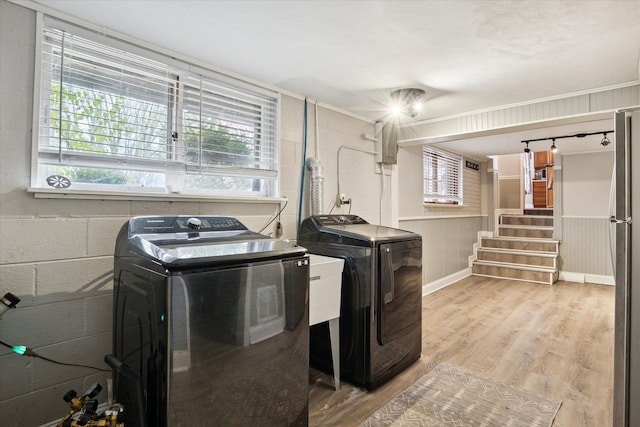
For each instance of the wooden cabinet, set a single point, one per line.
(543, 179)
(541, 159)
(539, 194)
(549, 186)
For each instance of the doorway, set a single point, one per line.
(538, 177)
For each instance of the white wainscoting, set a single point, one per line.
(447, 243)
(584, 248)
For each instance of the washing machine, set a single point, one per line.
(381, 309)
(210, 324)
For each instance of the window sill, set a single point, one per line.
(44, 193)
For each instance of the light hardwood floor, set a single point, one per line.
(556, 341)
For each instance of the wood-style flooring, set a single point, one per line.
(556, 341)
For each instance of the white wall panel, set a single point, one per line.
(601, 100)
(585, 246)
(447, 244)
(587, 174)
(410, 191)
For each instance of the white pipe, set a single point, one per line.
(350, 148)
(381, 190)
(317, 186)
(338, 163)
(317, 134)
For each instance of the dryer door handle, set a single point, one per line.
(387, 276)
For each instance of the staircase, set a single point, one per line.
(524, 249)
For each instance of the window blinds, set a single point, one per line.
(442, 176)
(104, 107)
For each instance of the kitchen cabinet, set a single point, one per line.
(549, 186)
(542, 159)
(539, 194)
(543, 179)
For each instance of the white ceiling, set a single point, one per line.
(466, 54)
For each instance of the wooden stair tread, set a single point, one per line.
(519, 252)
(524, 216)
(524, 249)
(527, 227)
(523, 239)
(527, 267)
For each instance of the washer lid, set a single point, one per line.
(213, 251)
(327, 228)
(370, 232)
(183, 241)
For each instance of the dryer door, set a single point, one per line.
(399, 289)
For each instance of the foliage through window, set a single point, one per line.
(113, 120)
(442, 173)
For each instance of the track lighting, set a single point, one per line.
(407, 101)
(605, 141)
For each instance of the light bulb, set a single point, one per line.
(396, 110)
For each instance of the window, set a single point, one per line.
(113, 120)
(442, 177)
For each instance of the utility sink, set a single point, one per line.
(325, 288)
(325, 285)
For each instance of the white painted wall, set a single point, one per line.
(510, 183)
(410, 188)
(448, 232)
(586, 181)
(585, 250)
(57, 254)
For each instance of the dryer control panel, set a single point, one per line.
(329, 220)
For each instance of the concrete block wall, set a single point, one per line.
(57, 254)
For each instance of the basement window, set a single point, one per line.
(113, 117)
(442, 173)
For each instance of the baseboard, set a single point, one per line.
(445, 281)
(598, 279)
(478, 244)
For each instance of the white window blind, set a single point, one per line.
(117, 121)
(442, 173)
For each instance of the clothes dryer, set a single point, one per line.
(381, 311)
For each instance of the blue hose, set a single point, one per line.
(304, 166)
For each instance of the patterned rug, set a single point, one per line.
(452, 396)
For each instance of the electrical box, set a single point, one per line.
(387, 152)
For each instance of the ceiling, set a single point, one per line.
(467, 55)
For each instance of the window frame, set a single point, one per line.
(187, 68)
(443, 161)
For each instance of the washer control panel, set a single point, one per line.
(183, 223)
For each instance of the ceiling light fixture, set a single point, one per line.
(407, 101)
(605, 141)
(553, 148)
(526, 149)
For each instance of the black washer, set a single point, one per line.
(211, 323)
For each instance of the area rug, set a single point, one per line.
(452, 396)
